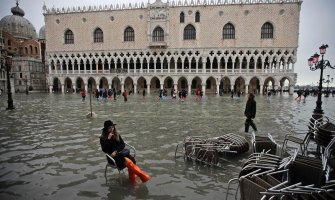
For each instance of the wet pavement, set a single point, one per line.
(50, 150)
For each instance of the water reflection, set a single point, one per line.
(50, 150)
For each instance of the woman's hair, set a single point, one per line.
(105, 134)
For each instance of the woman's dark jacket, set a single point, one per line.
(250, 109)
(109, 146)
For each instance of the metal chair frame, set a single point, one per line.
(113, 165)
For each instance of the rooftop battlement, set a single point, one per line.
(142, 5)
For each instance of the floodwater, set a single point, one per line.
(50, 150)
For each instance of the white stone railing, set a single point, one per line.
(171, 72)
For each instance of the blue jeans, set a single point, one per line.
(124, 152)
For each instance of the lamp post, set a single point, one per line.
(328, 81)
(8, 66)
(315, 64)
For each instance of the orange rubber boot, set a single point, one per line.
(136, 170)
(132, 175)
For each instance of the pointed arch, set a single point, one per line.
(190, 32)
(98, 36)
(129, 34)
(68, 37)
(158, 34)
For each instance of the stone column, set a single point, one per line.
(189, 89)
(161, 86)
(148, 88)
(203, 88)
(217, 89)
(246, 89)
(141, 70)
(175, 87)
(135, 89)
(122, 87)
(261, 89)
(291, 90)
(63, 89)
(262, 67)
(86, 87)
(50, 89)
(67, 68)
(203, 67)
(182, 66)
(74, 88)
(154, 66)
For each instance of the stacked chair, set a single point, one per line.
(210, 151)
(261, 143)
(297, 176)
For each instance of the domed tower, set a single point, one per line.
(21, 42)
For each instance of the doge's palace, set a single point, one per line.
(214, 45)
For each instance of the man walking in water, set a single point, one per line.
(250, 112)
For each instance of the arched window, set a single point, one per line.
(190, 32)
(98, 35)
(158, 35)
(197, 16)
(228, 31)
(182, 17)
(267, 31)
(129, 34)
(69, 37)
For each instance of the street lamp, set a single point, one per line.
(8, 66)
(328, 81)
(315, 64)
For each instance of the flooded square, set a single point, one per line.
(50, 149)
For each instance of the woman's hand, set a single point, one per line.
(113, 154)
(110, 135)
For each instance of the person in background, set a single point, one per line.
(125, 95)
(250, 112)
(83, 95)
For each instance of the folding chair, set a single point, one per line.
(111, 162)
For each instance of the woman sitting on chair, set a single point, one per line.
(112, 144)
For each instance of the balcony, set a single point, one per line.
(158, 45)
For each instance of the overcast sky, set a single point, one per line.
(317, 27)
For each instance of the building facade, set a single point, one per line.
(20, 41)
(217, 46)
